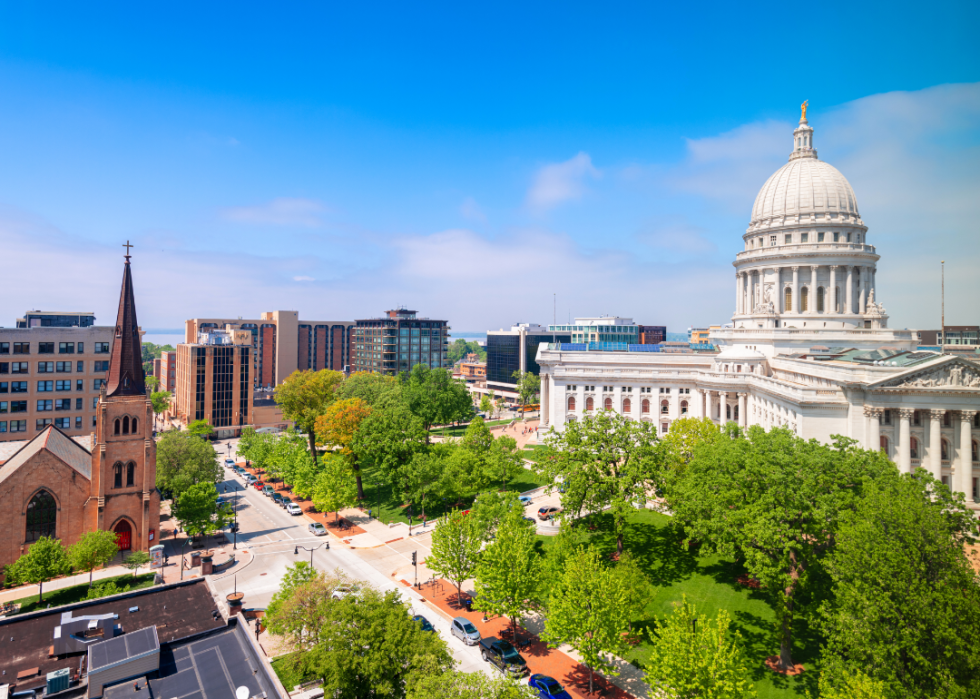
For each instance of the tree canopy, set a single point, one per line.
(92, 550)
(184, 460)
(905, 607)
(460, 348)
(455, 549)
(197, 510)
(509, 570)
(527, 386)
(200, 428)
(45, 559)
(336, 429)
(306, 395)
(435, 396)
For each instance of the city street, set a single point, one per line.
(271, 535)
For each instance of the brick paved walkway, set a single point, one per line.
(540, 659)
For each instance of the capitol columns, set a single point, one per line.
(964, 464)
(722, 407)
(848, 295)
(710, 395)
(873, 431)
(904, 440)
(796, 290)
(742, 412)
(546, 400)
(936, 444)
(738, 293)
(812, 294)
(862, 289)
(832, 309)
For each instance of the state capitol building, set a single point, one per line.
(808, 348)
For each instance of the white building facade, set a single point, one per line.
(808, 348)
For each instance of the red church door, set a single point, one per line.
(124, 536)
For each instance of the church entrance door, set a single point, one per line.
(124, 536)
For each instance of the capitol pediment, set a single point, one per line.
(952, 373)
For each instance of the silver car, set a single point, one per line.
(465, 631)
(316, 528)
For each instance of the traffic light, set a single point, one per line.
(413, 558)
(328, 544)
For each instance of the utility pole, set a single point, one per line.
(942, 331)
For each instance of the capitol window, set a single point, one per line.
(819, 237)
(804, 237)
(836, 237)
(820, 295)
(804, 299)
(772, 240)
(789, 238)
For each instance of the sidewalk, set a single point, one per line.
(16, 593)
(540, 659)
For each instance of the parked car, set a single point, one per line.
(341, 593)
(258, 485)
(462, 629)
(547, 687)
(268, 491)
(316, 529)
(294, 509)
(229, 462)
(426, 626)
(503, 656)
(279, 499)
(525, 500)
(548, 512)
(529, 519)
(250, 479)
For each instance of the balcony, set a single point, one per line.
(797, 248)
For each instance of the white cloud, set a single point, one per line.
(284, 211)
(561, 182)
(472, 211)
(680, 237)
(304, 279)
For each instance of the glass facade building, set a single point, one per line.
(399, 341)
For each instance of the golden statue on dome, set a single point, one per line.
(803, 108)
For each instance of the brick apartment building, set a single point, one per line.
(214, 381)
(282, 343)
(398, 341)
(165, 369)
(52, 366)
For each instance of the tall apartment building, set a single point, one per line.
(168, 371)
(214, 381)
(653, 334)
(282, 343)
(398, 341)
(51, 373)
(515, 350)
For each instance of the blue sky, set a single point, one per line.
(470, 162)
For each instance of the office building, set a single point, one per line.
(398, 341)
(214, 381)
(652, 334)
(56, 319)
(516, 350)
(51, 373)
(953, 339)
(282, 343)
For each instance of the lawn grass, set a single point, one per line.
(78, 593)
(710, 582)
(537, 452)
(458, 431)
(286, 671)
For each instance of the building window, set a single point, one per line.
(45, 367)
(18, 406)
(787, 299)
(18, 387)
(788, 239)
(947, 421)
(664, 427)
(78, 404)
(664, 407)
(4, 367)
(683, 407)
(100, 366)
(78, 422)
(81, 366)
(18, 425)
(117, 426)
(45, 348)
(627, 405)
(772, 240)
(102, 348)
(916, 417)
(944, 450)
(820, 295)
(45, 386)
(135, 422)
(42, 516)
(125, 425)
(645, 406)
(45, 405)
(883, 444)
(804, 299)
(571, 403)
(976, 452)
(913, 448)
(62, 404)
(63, 367)
(63, 423)
(3, 425)
(4, 348)
(62, 385)
(819, 237)
(81, 348)
(22, 348)
(79, 385)
(130, 473)
(97, 384)
(804, 237)
(589, 404)
(19, 368)
(607, 403)
(887, 418)
(117, 475)
(3, 406)
(66, 348)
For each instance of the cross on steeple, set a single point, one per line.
(128, 246)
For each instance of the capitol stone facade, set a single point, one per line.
(808, 347)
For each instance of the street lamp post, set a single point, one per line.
(297, 548)
(182, 556)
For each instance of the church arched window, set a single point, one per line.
(118, 424)
(117, 475)
(42, 516)
(787, 299)
(683, 407)
(135, 423)
(627, 405)
(820, 294)
(126, 424)
(130, 473)
(804, 299)
(571, 402)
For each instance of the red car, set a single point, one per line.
(258, 485)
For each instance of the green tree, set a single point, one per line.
(774, 500)
(587, 610)
(200, 428)
(906, 601)
(844, 683)
(455, 550)
(421, 477)
(486, 404)
(460, 348)
(44, 560)
(466, 685)
(161, 401)
(304, 396)
(197, 510)
(509, 571)
(499, 406)
(605, 461)
(637, 586)
(391, 647)
(528, 385)
(377, 390)
(693, 656)
(302, 607)
(152, 383)
(435, 396)
(184, 460)
(489, 510)
(296, 574)
(336, 429)
(463, 474)
(93, 550)
(335, 487)
(503, 461)
(686, 435)
(389, 438)
(255, 447)
(136, 560)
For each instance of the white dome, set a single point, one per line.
(805, 186)
(737, 354)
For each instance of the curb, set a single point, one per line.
(234, 570)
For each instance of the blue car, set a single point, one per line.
(525, 500)
(426, 626)
(547, 687)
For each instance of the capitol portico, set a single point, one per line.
(808, 347)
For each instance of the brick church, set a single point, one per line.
(60, 487)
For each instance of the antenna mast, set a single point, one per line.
(942, 331)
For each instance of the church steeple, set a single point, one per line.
(126, 361)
